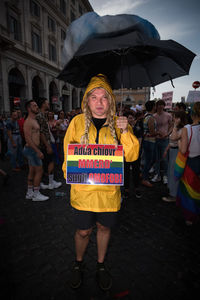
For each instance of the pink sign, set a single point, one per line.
(167, 97)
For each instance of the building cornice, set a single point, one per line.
(58, 12)
(5, 43)
(13, 7)
(30, 58)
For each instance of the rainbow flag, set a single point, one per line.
(97, 164)
(180, 164)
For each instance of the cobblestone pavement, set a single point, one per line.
(152, 254)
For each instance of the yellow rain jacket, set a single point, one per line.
(98, 198)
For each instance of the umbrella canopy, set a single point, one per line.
(91, 25)
(126, 48)
(128, 60)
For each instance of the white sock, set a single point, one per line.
(30, 189)
(51, 179)
(36, 190)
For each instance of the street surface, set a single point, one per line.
(152, 253)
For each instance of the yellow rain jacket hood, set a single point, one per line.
(98, 198)
(99, 81)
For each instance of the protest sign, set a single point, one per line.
(96, 164)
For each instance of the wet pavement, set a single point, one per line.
(152, 254)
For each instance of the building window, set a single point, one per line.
(51, 24)
(52, 51)
(72, 16)
(36, 42)
(63, 6)
(15, 28)
(63, 35)
(35, 9)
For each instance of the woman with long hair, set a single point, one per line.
(188, 196)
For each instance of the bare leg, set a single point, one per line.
(50, 168)
(103, 237)
(31, 174)
(81, 241)
(38, 176)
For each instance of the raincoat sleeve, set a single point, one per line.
(130, 144)
(68, 139)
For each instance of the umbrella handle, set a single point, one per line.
(120, 115)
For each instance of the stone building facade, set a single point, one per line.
(32, 34)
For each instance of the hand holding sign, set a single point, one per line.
(122, 123)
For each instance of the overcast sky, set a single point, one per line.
(178, 20)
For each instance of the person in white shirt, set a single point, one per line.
(188, 195)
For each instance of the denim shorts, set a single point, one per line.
(86, 219)
(31, 155)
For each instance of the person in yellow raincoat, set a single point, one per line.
(95, 204)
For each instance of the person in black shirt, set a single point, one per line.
(136, 122)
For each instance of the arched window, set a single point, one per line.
(53, 96)
(16, 84)
(37, 88)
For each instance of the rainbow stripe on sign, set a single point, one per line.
(96, 164)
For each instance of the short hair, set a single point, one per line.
(129, 113)
(28, 103)
(13, 111)
(149, 105)
(138, 114)
(40, 101)
(160, 102)
(181, 105)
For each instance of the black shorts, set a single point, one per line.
(87, 219)
(48, 158)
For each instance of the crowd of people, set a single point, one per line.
(162, 135)
(34, 140)
(157, 130)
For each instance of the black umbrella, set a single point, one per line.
(129, 60)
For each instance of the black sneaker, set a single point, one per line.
(138, 194)
(76, 275)
(103, 277)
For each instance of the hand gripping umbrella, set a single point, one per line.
(130, 56)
